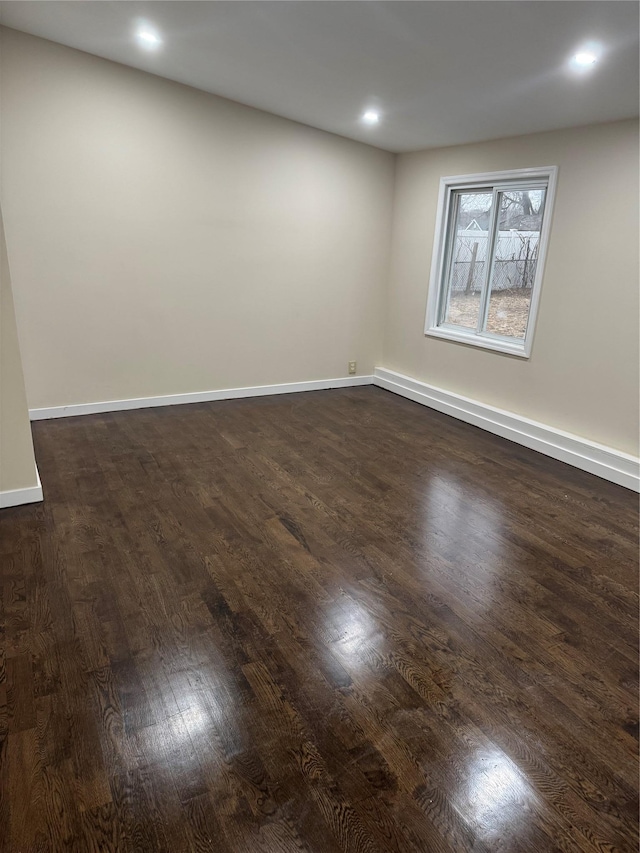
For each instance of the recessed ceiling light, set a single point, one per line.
(148, 39)
(371, 117)
(586, 56)
(584, 59)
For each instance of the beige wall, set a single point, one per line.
(583, 372)
(164, 240)
(17, 463)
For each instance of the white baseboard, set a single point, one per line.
(598, 459)
(17, 497)
(196, 397)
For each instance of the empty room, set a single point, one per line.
(319, 426)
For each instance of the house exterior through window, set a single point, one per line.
(489, 250)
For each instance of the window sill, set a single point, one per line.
(471, 339)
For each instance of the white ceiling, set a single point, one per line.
(441, 73)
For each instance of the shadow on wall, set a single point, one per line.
(19, 481)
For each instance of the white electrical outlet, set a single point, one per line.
(352, 368)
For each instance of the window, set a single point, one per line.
(490, 243)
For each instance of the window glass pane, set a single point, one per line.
(516, 259)
(468, 256)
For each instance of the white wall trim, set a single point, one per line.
(598, 459)
(17, 497)
(196, 397)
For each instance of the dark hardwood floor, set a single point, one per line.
(333, 621)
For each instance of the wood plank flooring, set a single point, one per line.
(332, 621)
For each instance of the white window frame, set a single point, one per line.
(438, 284)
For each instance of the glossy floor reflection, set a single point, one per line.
(332, 621)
